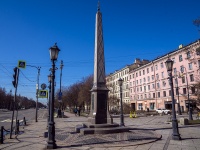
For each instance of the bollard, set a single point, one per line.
(24, 121)
(1, 138)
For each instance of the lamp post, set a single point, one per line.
(49, 100)
(188, 95)
(178, 102)
(120, 81)
(175, 134)
(37, 91)
(60, 93)
(51, 143)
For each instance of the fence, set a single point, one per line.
(3, 130)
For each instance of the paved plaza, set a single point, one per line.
(148, 133)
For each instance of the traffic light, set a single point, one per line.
(15, 76)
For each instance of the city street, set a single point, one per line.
(29, 114)
(142, 127)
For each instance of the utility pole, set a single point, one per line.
(37, 91)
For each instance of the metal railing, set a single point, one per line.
(3, 130)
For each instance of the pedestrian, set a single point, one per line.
(75, 111)
(79, 111)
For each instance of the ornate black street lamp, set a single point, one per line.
(188, 96)
(60, 93)
(49, 99)
(51, 143)
(178, 101)
(120, 82)
(175, 134)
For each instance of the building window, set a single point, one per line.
(149, 95)
(182, 68)
(143, 72)
(148, 87)
(164, 93)
(173, 59)
(151, 68)
(145, 95)
(161, 65)
(162, 74)
(147, 70)
(140, 107)
(170, 92)
(193, 90)
(137, 89)
(141, 96)
(180, 58)
(152, 106)
(141, 89)
(157, 76)
(184, 90)
(130, 76)
(164, 83)
(152, 77)
(190, 66)
(158, 85)
(176, 81)
(188, 54)
(136, 75)
(140, 81)
(156, 67)
(139, 73)
(153, 86)
(183, 79)
(199, 63)
(154, 95)
(148, 78)
(144, 79)
(137, 82)
(144, 88)
(158, 94)
(175, 71)
(198, 51)
(191, 78)
(133, 75)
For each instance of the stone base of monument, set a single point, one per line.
(100, 129)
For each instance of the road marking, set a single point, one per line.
(9, 120)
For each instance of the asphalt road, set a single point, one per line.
(29, 114)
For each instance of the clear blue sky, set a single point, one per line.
(132, 29)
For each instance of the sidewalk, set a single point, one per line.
(147, 131)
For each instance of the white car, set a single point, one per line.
(165, 111)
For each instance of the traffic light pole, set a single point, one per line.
(15, 84)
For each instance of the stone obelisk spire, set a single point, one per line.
(99, 92)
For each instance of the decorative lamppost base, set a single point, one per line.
(51, 145)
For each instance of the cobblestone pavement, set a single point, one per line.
(144, 136)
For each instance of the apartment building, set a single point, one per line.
(149, 86)
(113, 86)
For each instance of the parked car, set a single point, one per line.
(162, 110)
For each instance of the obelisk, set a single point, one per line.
(99, 93)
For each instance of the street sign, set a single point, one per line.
(43, 93)
(43, 86)
(21, 64)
